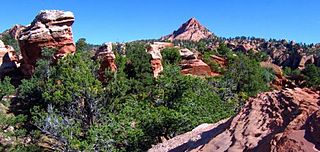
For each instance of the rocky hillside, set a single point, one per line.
(286, 120)
(280, 52)
(192, 30)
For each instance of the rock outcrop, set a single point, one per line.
(155, 51)
(50, 29)
(14, 32)
(107, 59)
(8, 59)
(191, 30)
(286, 120)
(190, 64)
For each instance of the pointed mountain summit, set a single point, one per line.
(191, 30)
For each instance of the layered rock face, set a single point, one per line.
(107, 58)
(50, 29)
(191, 30)
(286, 120)
(8, 59)
(190, 64)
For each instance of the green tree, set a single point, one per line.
(248, 75)
(82, 45)
(312, 76)
(8, 40)
(138, 68)
(171, 56)
(224, 50)
(6, 88)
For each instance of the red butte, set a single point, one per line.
(49, 29)
(107, 58)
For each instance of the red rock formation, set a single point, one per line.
(191, 30)
(280, 80)
(286, 120)
(107, 58)
(306, 60)
(50, 29)
(155, 51)
(193, 66)
(8, 59)
(15, 31)
(156, 66)
(220, 60)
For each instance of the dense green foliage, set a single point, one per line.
(82, 45)
(131, 110)
(6, 88)
(312, 76)
(291, 72)
(248, 76)
(171, 56)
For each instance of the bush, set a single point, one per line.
(8, 40)
(290, 72)
(312, 76)
(6, 88)
(248, 75)
(171, 56)
(223, 50)
(82, 45)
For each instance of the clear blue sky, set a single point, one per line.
(124, 20)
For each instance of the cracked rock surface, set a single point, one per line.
(285, 120)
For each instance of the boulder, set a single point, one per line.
(310, 59)
(195, 67)
(285, 120)
(187, 54)
(191, 65)
(49, 29)
(220, 60)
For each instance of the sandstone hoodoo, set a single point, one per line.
(107, 58)
(50, 29)
(191, 30)
(286, 120)
(155, 51)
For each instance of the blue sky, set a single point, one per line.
(122, 20)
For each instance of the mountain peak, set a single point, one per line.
(191, 30)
